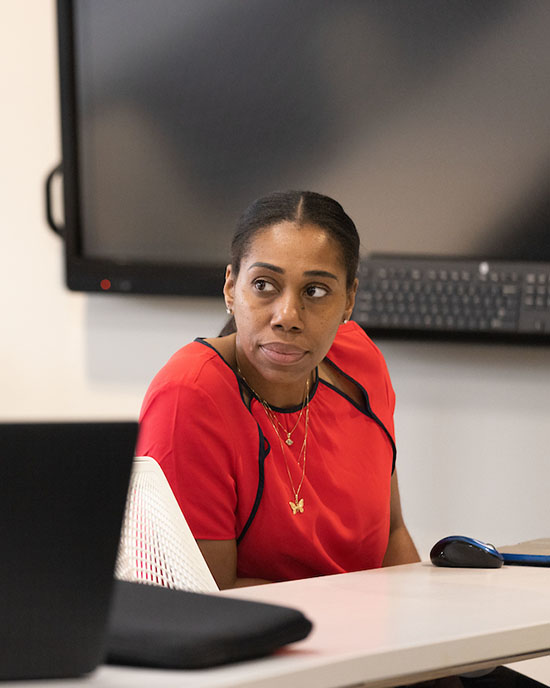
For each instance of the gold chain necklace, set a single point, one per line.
(289, 441)
(297, 505)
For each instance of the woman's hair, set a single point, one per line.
(301, 207)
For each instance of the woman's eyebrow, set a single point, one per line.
(267, 266)
(320, 273)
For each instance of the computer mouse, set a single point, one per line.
(465, 552)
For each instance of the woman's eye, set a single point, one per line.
(316, 292)
(263, 285)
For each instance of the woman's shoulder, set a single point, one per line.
(196, 366)
(355, 354)
(352, 346)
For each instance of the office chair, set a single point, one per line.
(156, 544)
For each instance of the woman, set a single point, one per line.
(277, 436)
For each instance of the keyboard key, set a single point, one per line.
(509, 289)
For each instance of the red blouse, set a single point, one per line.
(226, 467)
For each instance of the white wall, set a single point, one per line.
(472, 420)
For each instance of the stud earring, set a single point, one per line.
(228, 310)
(345, 321)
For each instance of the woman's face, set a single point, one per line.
(288, 300)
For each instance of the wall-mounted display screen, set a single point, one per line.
(430, 123)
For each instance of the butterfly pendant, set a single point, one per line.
(297, 506)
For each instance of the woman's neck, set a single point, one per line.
(278, 394)
(275, 393)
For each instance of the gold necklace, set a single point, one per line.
(297, 505)
(289, 441)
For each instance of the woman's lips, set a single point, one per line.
(282, 353)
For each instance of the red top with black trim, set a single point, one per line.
(211, 446)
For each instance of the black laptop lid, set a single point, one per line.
(62, 496)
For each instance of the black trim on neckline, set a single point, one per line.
(352, 401)
(277, 409)
(367, 411)
(238, 378)
(201, 340)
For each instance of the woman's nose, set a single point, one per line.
(287, 313)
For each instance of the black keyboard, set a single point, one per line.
(423, 294)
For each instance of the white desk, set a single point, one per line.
(383, 627)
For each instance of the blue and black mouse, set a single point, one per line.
(465, 552)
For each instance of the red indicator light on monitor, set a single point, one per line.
(105, 284)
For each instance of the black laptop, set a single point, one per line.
(62, 496)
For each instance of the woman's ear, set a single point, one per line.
(229, 289)
(350, 299)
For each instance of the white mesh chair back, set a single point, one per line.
(156, 544)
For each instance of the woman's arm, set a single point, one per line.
(401, 549)
(221, 557)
